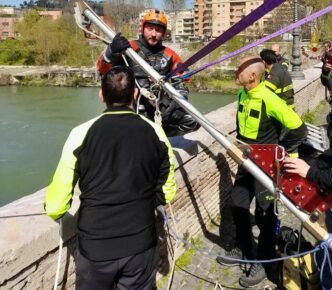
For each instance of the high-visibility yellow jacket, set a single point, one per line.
(260, 115)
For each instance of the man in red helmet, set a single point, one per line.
(175, 120)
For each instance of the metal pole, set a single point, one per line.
(296, 73)
(205, 123)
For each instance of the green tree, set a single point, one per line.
(43, 41)
(324, 23)
(235, 43)
(124, 15)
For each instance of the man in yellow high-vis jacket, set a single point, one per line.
(258, 115)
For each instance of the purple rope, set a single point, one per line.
(260, 41)
(228, 34)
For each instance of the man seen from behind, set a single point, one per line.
(124, 166)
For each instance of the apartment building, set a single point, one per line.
(213, 17)
(184, 25)
(7, 20)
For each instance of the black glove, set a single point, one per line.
(119, 44)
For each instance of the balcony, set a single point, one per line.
(207, 21)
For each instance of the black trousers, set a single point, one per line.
(246, 187)
(133, 272)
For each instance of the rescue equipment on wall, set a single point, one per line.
(302, 192)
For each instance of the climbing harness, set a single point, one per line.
(150, 95)
(253, 16)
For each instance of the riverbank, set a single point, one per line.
(211, 81)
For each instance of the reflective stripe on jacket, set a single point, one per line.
(280, 82)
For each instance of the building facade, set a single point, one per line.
(184, 25)
(213, 17)
(8, 17)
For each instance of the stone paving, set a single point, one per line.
(204, 272)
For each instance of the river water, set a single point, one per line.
(34, 124)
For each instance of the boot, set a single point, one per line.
(235, 253)
(255, 276)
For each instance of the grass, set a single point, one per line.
(310, 117)
(184, 260)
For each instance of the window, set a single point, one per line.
(5, 33)
(5, 23)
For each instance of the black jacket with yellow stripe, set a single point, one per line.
(125, 168)
(260, 115)
(280, 82)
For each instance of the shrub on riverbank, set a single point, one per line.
(58, 80)
(214, 81)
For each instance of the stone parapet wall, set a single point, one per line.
(29, 240)
(309, 92)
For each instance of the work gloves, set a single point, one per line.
(118, 45)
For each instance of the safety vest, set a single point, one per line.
(260, 114)
(280, 82)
